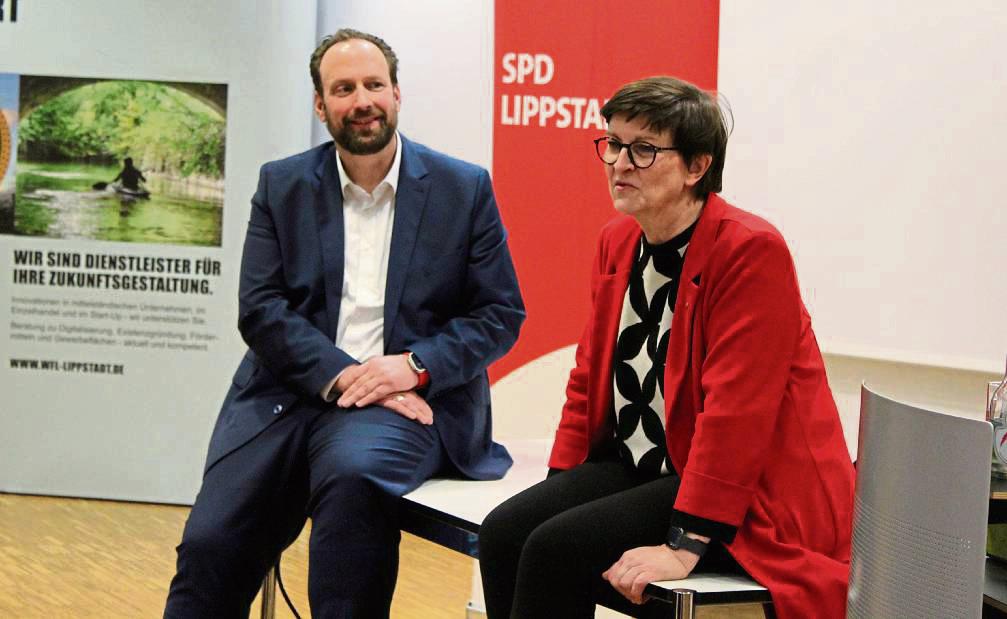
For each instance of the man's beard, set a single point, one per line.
(363, 142)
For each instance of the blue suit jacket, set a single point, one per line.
(451, 297)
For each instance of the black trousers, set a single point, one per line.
(343, 468)
(543, 551)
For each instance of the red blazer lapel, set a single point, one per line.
(609, 291)
(680, 405)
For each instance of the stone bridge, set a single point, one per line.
(37, 89)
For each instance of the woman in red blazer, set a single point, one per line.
(699, 427)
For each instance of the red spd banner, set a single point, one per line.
(557, 63)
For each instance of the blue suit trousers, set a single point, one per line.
(345, 469)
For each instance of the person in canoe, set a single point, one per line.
(130, 178)
(130, 175)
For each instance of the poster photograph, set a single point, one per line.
(112, 221)
(115, 160)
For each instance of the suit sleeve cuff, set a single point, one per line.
(702, 526)
(328, 392)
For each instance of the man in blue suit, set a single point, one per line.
(376, 287)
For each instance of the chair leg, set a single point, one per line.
(268, 610)
(685, 607)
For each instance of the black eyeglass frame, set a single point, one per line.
(629, 150)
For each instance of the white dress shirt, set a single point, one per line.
(367, 221)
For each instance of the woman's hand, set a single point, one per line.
(641, 566)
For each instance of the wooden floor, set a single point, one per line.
(104, 559)
(81, 558)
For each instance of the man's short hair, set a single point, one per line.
(692, 117)
(348, 34)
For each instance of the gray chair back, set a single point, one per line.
(919, 525)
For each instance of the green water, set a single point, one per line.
(57, 201)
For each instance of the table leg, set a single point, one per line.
(685, 607)
(269, 595)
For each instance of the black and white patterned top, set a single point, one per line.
(644, 331)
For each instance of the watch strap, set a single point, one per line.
(678, 540)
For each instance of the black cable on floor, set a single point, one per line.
(286, 597)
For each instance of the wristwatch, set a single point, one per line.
(678, 540)
(414, 363)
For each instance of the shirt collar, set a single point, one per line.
(391, 179)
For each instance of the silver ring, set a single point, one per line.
(400, 397)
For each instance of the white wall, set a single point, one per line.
(870, 133)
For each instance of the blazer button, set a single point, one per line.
(277, 409)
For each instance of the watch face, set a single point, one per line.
(678, 540)
(675, 535)
(416, 363)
